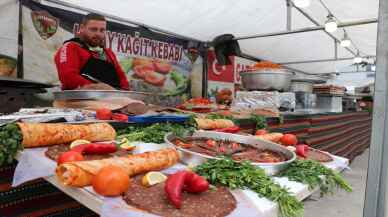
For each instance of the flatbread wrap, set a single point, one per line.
(46, 134)
(81, 173)
(210, 124)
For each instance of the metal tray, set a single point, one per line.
(193, 158)
(98, 94)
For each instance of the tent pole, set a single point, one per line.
(66, 4)
(205, 70)
(310, 29)
(289, 15)
(377, 178)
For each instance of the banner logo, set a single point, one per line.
(45, 24)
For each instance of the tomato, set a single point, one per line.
(69, 156)
(142, 70)
(222, 149)
(155, 78)
(111, 181)
(289, 139)
(235, 146)
(211, 143)
(103, 114)
(261, 132)
(120, 117)
(162, 67)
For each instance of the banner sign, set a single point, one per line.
(138, 49)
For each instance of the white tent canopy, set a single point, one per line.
(204, 20)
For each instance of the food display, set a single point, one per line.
(81, 173)
(236, 151)
(219, 157)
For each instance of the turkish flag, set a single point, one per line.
(217, 72)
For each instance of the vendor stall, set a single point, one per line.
(202, 129)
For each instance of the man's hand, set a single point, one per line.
(97, 86)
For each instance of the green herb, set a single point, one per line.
(260, 121)
(314, 174)
(244, 175)
(154, 133)
(10, 143)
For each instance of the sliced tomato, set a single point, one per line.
(69, 156)
(211, 143)
(103, 114)
(142, 70)
(261, 132)
(155, 78)
(120, 117)
(162, 67)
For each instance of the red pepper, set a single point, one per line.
(184, 180)
(120, 117)
(195, 183)
(301, 150)
(235, 129)
(96, 148)
(174, 186)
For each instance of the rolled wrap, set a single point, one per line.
(81, 173)
(41, 134)
(209, 124)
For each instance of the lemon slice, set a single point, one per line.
(153, 178)
(125, 144)
(78, 142)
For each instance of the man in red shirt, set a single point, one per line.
(85, 63)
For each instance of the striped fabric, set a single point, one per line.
(37, 198)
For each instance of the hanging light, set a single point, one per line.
(302, 3)
(346, 42)
(330, 24)
(357, 59)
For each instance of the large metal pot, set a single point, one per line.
(267, 80)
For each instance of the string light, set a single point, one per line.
(330, 24)
(302, 3)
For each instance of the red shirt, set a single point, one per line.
(71, 58)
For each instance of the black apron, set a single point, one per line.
(98, 70)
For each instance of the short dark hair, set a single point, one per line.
(93, 16)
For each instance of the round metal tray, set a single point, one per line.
(193, 158)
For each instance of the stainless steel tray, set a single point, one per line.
(194, 158)
(98, 94)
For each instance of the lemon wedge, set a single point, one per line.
(125, 144)
(153, 178)
(78, 142)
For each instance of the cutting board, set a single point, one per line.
(112, 103)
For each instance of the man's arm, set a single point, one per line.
(68, 64)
